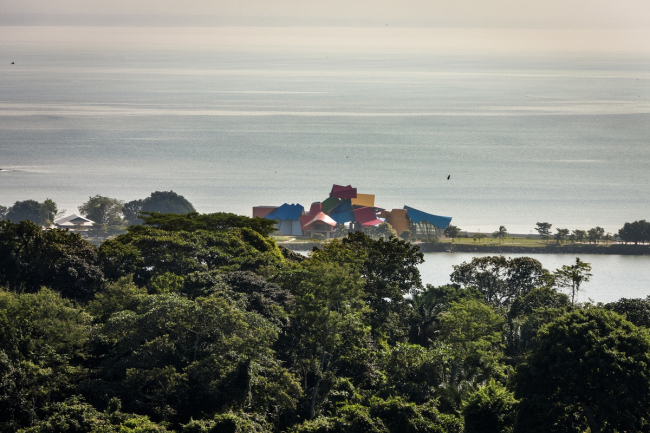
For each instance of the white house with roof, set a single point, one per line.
(74, 222)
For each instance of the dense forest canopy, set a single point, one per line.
(202, 323)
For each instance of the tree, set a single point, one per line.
(381, 231)
(500, 234)
(330, 323)
(42, 214)
(589, 368)
(500, 280)
(636, 311)
(561, 235)
(167, 202)
(103, 210)
(160, 202)
(42, 338)
(572, 277)
(31, 258)
(473, 332)
(637, 231)
(194, 221)
(3, 212)
(479, 236)
(406, 235)
(580, 235)
(544, 230)
(489, 409)
(451, 232)
(595, 234)
(131, 212)
(147, 252)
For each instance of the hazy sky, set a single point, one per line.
(621, 14)
(522, 26)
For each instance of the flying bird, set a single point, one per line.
(449, 177)
(12, 63)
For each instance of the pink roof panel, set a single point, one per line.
(366, 216)
(322, 217)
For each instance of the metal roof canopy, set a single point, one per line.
(418, 216)
(286, 212)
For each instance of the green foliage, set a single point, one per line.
(42, 338)
(194, 221)
(637, 231)
(636, 311)
(3, 212)
(473, 332)
(590, 368)
(160, 202)
(426, 307)
(383, 416)
(414, 372)
(500, 234)
(174, 358)
(329, 322)
(500, 279)
(451, 231)
(149, 252)
(544, 230)
(572, 277)
(31, 258)
(380, 231)
(42, 214)
(561, 235)
(105, 212)
(490, 409)
(595, 235)
(406, 235)
(76, 416)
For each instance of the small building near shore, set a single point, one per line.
(74, 223)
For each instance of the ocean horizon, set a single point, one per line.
(525, 138)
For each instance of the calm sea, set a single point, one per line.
(562, 139)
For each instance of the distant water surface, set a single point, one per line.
(613, 277)
(525, 139)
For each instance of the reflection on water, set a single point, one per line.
(614, 276)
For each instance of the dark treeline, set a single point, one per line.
(202, 323)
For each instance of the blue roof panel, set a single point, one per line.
(286, 212)
(418, 216)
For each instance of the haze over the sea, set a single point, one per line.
(538, 113)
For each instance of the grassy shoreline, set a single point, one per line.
(508, 246)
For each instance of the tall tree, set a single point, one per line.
(500, 234)
(595, 234)
(103, 210)
(330, 322)
(3, 212)
(451, 232)
(42, 214)
(572, 277)
(31, 258)
(589, 368)
(544, 230)
(561, 235)
(500, 279)
(637, 231)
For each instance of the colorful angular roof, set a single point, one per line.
(322, 217)
(418, 216)
(286, 212)
(366, 216)
(343, 212)
(340, 191)
(330, 203)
